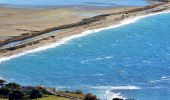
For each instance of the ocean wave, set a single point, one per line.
(117, 87)
(147, 62)
(67, 39)
(97, 74)
(107, 91)
(110, 95)
(111, 91)
(96, 59)
(163, 78)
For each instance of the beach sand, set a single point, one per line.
(68, 34)
(17, 21)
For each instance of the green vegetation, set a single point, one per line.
(16, 95)
(12, 86)
(78, 94)
(90, 97)
(117, 99)
(52, 97)
(14, 91)
(35, 93)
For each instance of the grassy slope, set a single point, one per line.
(48, 97)
(52, 97)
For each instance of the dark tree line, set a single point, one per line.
(13, 91)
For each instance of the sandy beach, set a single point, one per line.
(50, 19)
(17, 21)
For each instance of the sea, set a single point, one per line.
(128, 60)
(46, 3)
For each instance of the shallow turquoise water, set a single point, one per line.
(137, 55)
(74, 2)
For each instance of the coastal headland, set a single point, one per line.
(34, 38)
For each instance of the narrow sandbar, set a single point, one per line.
(104, 20)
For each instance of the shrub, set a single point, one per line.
(4, 91)
(36, 93)
(16, 95)
(90, 97)
(78, 92)
(117, 99)
(12, 85)
(42, 89)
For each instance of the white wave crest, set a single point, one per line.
(67, 39)
(110, 95)
(163, 78)
(96, 59)
(117, 87)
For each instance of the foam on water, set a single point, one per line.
(109, 91)
(110, 95)
(96, 59)
(163, 78)
(117, 87)
(67, 39)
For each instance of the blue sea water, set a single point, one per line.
(132, 60)
(74, 2)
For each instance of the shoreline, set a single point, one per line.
(76, 33)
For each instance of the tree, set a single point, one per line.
(12, 85)
(16, 95)
(36, 93)
(42, 89)
(4, 91)
(90, 97)
(2, 82)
